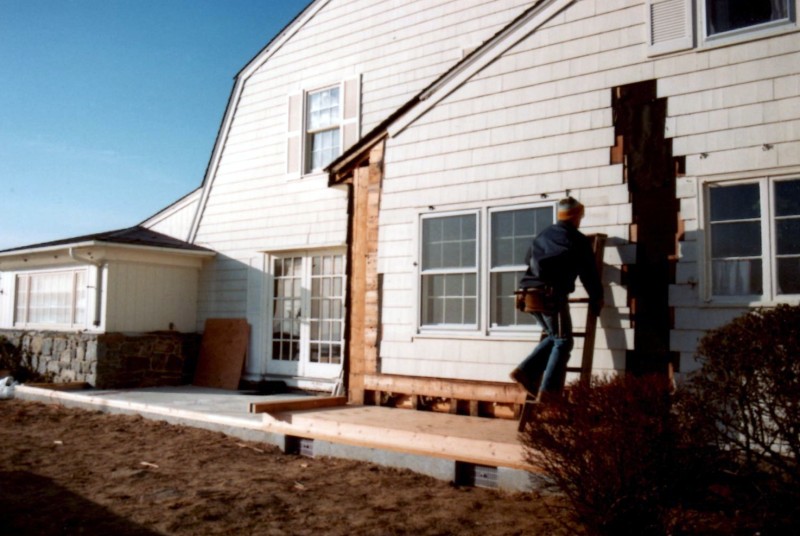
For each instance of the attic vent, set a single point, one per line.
(669, 25)
(471, 474)
(668, 22)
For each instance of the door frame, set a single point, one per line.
(302, 373)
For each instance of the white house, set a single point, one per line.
(373, 184)
(61, 300)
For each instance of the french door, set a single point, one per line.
(308, 315)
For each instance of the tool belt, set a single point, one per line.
(536, 300)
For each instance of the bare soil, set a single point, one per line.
(71, 471)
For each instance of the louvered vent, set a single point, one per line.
(669, 21)
(669, 25)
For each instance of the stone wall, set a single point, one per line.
(110, 360)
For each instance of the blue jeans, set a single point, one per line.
(549, 358)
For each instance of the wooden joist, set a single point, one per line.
(298, 404)
(436, 387)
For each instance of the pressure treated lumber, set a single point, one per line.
(299, 404)
(438, 387)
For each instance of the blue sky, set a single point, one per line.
(109, 108)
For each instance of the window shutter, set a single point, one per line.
(669, 26)
(351, 112)
(294, 146)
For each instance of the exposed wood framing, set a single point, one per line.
(364, 304)
(299, 404)
(650, 171)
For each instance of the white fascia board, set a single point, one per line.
(233, 103)
(32, 257)
(500, 44)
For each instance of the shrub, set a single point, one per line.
(718, 456)
(746, 396)
(610, 447)
(17, 360)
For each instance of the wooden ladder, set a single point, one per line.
(587, 358)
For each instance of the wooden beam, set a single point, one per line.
(299, 404)
(507, 393)
(364, 284)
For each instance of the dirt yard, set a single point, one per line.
(68, 471)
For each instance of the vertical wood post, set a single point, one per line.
(364, 315)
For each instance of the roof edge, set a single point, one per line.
(233, 100)
(516, 30)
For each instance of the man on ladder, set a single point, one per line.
(558, 255)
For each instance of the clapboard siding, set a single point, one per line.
(251, 207)
(144, 297)
(175, 220)
(538, 121)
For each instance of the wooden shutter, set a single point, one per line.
(351, 112)
(294, 137)
(669, 26)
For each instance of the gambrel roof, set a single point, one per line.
(529, 21)
(236, 93)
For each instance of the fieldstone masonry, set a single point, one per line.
(111, 360)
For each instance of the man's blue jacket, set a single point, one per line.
(559, 255)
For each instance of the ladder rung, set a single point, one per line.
(579, 300)
(578, 334)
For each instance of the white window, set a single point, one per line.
(322, 123)
(726, 16)
(455, 290)
(754, 248)
(51, 298)
(671, 23)
(510, 235)
(323, 119)
(450, 271)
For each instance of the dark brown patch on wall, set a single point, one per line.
(650, 171)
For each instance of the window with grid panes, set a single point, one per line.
(323, 119)
(755, 238)
(511, 233)
(51, 298)
(327, 309)
(449, 274)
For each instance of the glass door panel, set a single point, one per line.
(308, 315)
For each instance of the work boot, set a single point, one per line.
(521, 378)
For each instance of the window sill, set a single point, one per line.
(310, 175)
(532, 334)
(743, 35)
(740, 303)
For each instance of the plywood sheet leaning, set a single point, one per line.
(222, 353)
